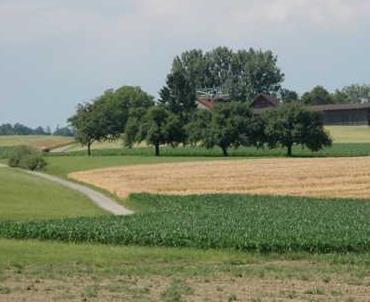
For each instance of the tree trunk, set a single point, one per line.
(89, 149)
(289, 153)
(224, 151)
(156, 149)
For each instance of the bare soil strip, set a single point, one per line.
(317, 177)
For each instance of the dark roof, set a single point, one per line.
(335, 107)
(269, 98)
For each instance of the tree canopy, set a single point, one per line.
(242, 74)
(292, 124)
(317, 96)
(230, 124)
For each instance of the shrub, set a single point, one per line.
(26, 157)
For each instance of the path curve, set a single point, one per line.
(98, 198)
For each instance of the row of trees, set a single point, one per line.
(354, 93)
(131, 113)
(20, 129)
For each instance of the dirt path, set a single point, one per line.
(98, 198)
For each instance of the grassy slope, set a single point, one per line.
(23, 196)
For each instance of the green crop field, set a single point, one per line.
(249, 223)
(23, 196)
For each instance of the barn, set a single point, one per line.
(333, 114)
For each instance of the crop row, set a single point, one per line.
(241, 222)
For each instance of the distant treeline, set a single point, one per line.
(20, 129)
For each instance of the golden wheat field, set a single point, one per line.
(318, 177)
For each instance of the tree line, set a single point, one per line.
(354, 93)
(20, 129)
(135, 116)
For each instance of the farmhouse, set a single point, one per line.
(334, 114)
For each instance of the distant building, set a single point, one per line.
(334, 114)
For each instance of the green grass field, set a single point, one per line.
(24, 196)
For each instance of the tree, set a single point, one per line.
(157, 127)
(292, 124)
(105, 118)
(64, 131)
(356, 93)
(229, 126)
(186, 75)
(242, 74)
(287, 95)
(196, 129)
(89, 125)
(317, 96)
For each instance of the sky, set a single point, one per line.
(57, 53)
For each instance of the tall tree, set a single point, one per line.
(292, 124)
(242, 74)
(187, 74)
(317, 96)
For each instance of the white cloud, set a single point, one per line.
(26, 20)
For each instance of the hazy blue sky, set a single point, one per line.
(56, 53)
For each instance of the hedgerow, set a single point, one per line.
(248, 223)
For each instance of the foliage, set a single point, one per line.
(286, 95)
(64, 131)
(317, 96)
(229, 125)
(291, 124)
(26, 157)
(105, 118)
(242, 74)
(354, 93)
(156, 126)
(20, 129)
(241, 222)
(88, 123)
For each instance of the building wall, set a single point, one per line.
(347, 117)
